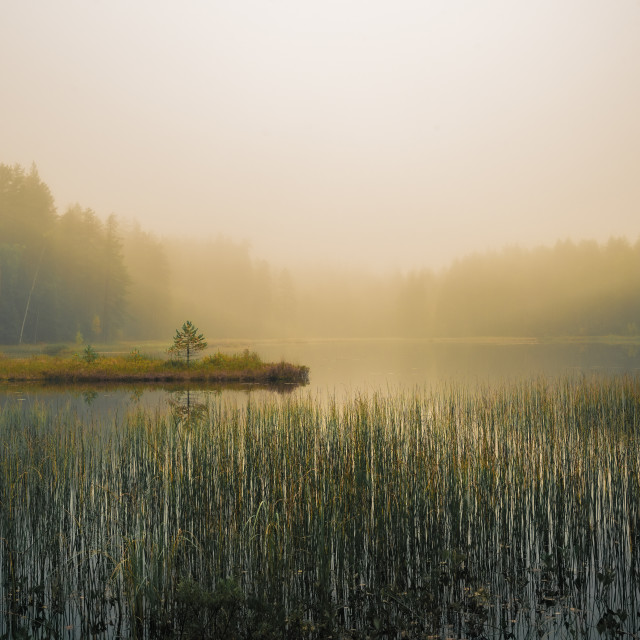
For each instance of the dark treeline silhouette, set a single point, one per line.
(70, 274)
(59, 275)
(74, 275)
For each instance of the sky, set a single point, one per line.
(388, 134)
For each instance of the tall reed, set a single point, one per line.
(508, 511)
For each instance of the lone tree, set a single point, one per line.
(187, 341)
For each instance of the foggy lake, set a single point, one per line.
(500, 511)
(385, 197)
(342, 368)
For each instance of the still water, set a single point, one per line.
(343, 368)
(366, 365)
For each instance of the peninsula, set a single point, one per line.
(89, 366)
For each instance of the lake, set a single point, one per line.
(340, 368)
(411, 490)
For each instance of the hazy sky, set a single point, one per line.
(390, 133)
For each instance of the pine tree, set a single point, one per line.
(187, 341)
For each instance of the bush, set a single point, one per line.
(135, 356)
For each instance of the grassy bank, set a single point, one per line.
(501, 512)
(88, 366)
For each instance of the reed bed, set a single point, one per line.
(499, 512)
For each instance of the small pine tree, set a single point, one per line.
(187, 341)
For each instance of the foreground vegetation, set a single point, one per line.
(88, 366)
(504, 512)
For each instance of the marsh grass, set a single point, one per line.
(89, 366)
(501, 512)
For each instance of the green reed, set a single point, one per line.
(501, 510)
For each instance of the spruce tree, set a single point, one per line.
(187, 341)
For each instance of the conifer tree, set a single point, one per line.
(187, 341)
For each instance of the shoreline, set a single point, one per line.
(242, 368)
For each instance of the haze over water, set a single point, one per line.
(380, 134)
(405, 197)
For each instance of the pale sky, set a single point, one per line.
(398, 133)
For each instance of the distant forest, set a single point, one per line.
(71, 276)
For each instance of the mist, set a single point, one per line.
(361, 135)
(76, 276)
(567, 290)
(347, 169)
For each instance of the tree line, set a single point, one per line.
(75, 275)
(570, 289)
(60, 276)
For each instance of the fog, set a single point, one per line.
(281, 169)
(373, 138)
(74, 276)
(568, 289)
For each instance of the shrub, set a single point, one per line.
(135, 356)
(89, 354)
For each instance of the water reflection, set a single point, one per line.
(187, 406)
(367, 365)
(89, 396)
(341, 368)
(102, 402)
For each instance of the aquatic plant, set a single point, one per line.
(505, 512)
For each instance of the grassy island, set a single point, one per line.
(89, 366)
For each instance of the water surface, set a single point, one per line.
(342, 368)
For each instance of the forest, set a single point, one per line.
(76, 276)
